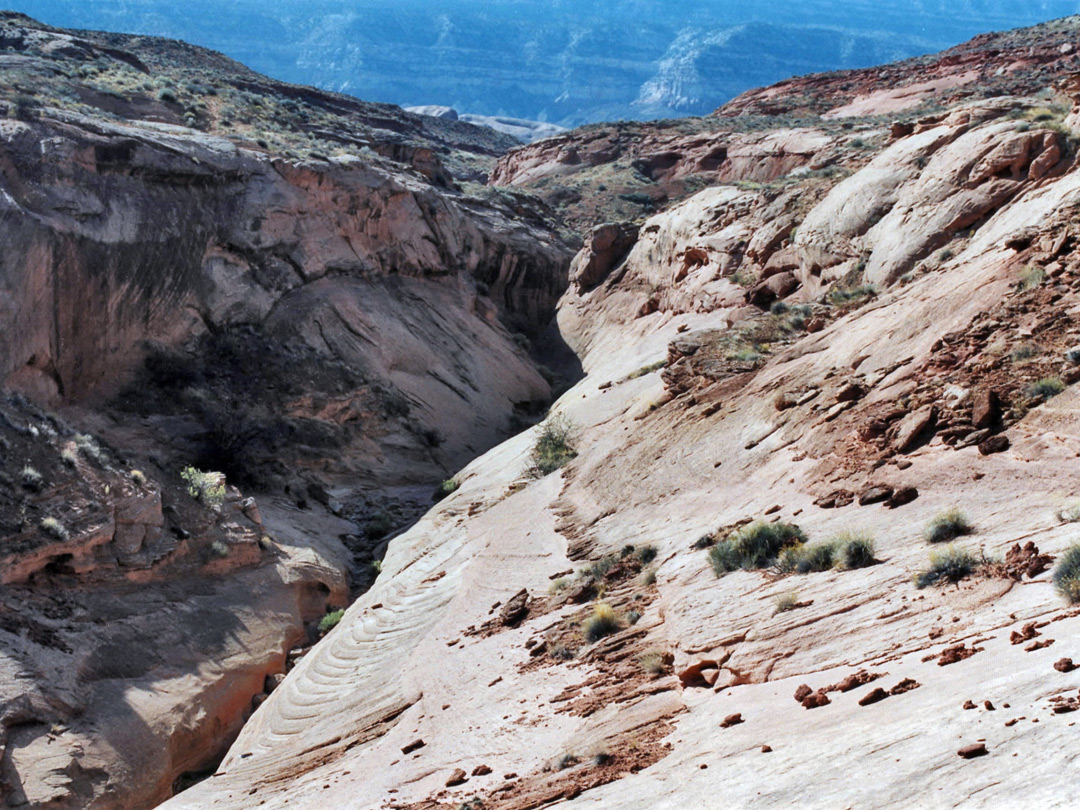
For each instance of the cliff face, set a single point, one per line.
(853, 351)
(318, 312)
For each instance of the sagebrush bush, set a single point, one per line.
(841, 296)
(1045, 388)
(55, 529)
(446, 488)
(1067, 574)
(330, 620)
(652, 662)
(947, 526)
(950, 564)
(755, 546)
(31, 478)
(843, 551)
(602, 623)
(206, 487)
(787, 601)
(1031, 277)
(855, 551)
(646, 554)
(553, 447)
(804, 559)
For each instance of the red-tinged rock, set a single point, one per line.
(458, 777)
(873, 696)
(986, 408)
(604, 249)
(854, 681)
(995, 444)
(732, 720)
(515, 610)
(915, 428)
(988, 706)
(816, 700)
(1065, 665)
(968, 704)
(802, 692)
(905, 685)
(415, 745)
(901, 497)
(815, 324)
(850, 392)
(972, 751)
(649, 307)
(766, 749)
(956, 653)
(875, 493)
(481, 770)
(1039, 645)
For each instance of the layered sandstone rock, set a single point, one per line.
(673, 461)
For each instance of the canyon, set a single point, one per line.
(843, 307)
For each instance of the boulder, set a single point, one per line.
(604, 249)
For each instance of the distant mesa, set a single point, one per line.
(524, 130)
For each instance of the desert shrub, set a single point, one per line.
(1031, 277)
(646, 554)
(947, 526)
(31, 478)
(1067, 574)
(380, 525)
(553, 447)
(89, 448)
(649, 369)
(1025, 351)
(69, 456)
(843, 551)
(566, 761)
(55, 529)
(855, 551)
(755, 546)
(633, 617)
(602, 623)
(446, 488)
(599, 569)
(560, 652)
(167, 95)
(652, 662)
(1045, 388)
(649, 577)
(25, 108)
(330, 621)
(843, 296)
(787, 601)
(950, 564)
(206, 487)
(219, 549)
(804, 559)
(559, 585)
(138, 478)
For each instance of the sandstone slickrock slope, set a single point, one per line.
(850, 337)
(205, 268)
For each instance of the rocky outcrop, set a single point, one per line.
(605, 248)
(754, 418)
(338, 328)
(137, 624)
(1006, 63)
